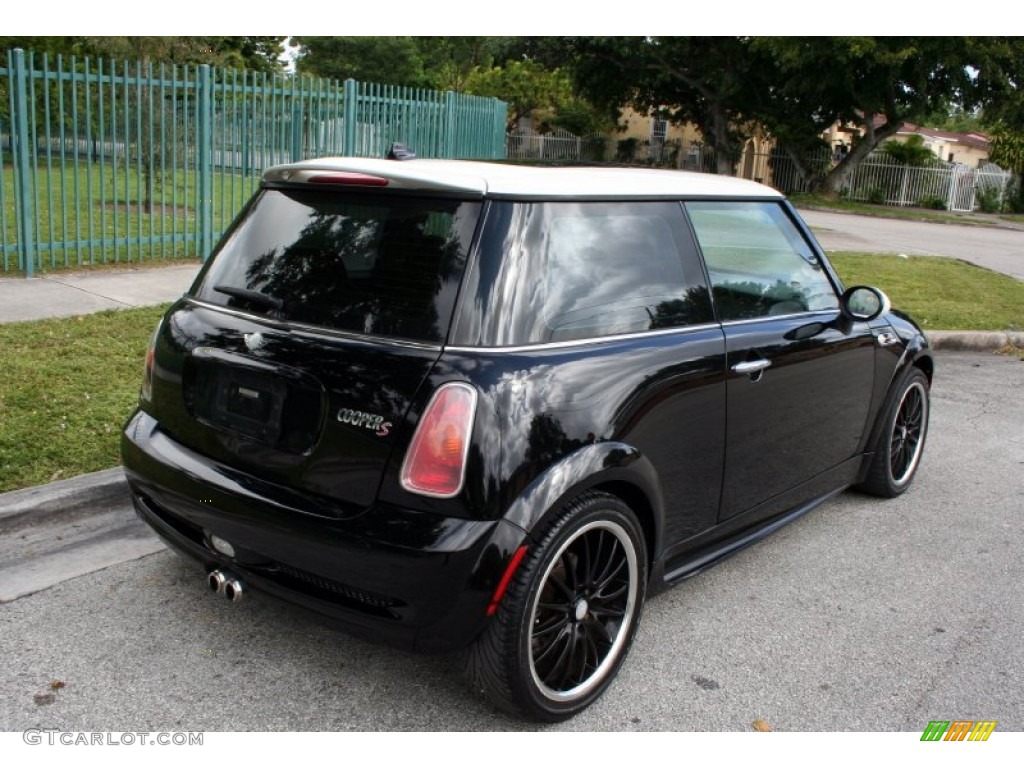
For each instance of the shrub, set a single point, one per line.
(989, 198)
(932, 201)
(910, 152)
(625, 150)
(876, 195)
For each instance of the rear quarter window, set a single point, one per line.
(554, 272)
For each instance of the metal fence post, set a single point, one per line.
(449, 124)
(499, 128)
(23, 193)
(205, 106)
(349, 106)
(297, 130)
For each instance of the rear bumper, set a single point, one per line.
(405, 577)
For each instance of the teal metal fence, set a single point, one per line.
(105, 162)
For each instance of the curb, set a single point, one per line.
(974, 341)
(66, 499)
(79, 496)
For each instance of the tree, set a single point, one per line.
(442, 63)
(449, 61)
(388, 60)
(259, 53)
(875, 84)
(957, 119)
(705, 81)
(579, 117)
(1008, 151)
(794, 87)
(1001, 78)
(525, 85)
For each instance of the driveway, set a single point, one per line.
(1001, 250)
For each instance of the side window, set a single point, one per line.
(758, 263)
(585, 270)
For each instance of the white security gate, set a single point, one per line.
(961, 189)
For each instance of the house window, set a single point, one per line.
(659, 130)
(951, 157)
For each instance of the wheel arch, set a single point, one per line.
(926, 364)
(635, 498)
(909, 364)
(916, 356)
(617, 469)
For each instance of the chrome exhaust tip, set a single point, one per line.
(233, 589)
(216, 580)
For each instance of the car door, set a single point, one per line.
(604, 321)
(799, 386)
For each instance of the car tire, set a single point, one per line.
(900, 444)
(567, 620)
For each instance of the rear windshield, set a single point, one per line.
(384, 265)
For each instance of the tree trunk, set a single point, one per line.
(836, 179)
(724, 154)
(803, 172)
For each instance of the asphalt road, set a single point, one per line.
(1001, 250)
(864, 615)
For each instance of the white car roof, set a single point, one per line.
(480, 179)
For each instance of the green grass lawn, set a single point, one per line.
(66, 387)
(87, 205)
(940, 294)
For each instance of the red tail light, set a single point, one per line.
(436, 462)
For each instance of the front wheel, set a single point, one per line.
(567, 620)
(900, 444)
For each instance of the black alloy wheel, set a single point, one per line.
(900, 444)
(568, 619)
(908, 433)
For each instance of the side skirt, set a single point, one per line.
(704, 559)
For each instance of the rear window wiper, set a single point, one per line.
(254, 297)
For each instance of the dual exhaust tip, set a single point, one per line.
(227, 584)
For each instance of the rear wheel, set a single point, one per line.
(901, 442)
(567, 621)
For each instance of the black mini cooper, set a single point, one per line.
(475, 406)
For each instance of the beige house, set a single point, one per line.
(646, 128)
(694, 155)
(969, 149)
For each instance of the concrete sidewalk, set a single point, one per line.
(65, 294)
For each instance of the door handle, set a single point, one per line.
(751, 366)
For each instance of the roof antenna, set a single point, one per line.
(401, 152)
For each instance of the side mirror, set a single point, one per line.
(862, 302)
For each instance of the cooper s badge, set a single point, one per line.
(369, 421)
